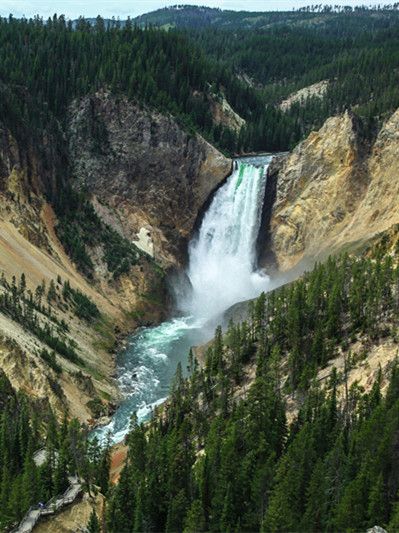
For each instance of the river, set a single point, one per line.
(222, 270)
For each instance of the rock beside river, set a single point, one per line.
(145, 173)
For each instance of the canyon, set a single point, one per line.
(199, 265)
(142, 181)
(145, 175)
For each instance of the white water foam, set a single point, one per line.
(145, 371)
(222, 259)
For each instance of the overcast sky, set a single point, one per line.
(123, 8)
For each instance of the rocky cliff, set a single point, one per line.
(147, 176)
(334, 190)
(147, 179)
(30, 251)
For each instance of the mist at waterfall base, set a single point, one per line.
(221, 271)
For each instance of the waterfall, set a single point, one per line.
(222, 257)
(222, 271)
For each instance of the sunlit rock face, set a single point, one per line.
(334, 190)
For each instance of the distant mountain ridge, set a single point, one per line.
(200, 17)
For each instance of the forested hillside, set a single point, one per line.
(222, 455)
(28, 477)
(356, 50)
(318, 15)
(254, 66)
(55, 63)
(356, 53)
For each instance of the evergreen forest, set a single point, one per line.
(28, 431)
(227, 454)
(175, 68)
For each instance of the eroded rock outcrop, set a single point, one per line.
(144, 170)
(224, 115)
(301, 97)
(31, 250)
(334, 190)
(147, 178)
(379, 208)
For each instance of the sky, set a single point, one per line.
(123, 8)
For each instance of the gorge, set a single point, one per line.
(226, 324)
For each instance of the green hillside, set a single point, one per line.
(223, 456)
(326, 18)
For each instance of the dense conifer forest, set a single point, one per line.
(26, 429)
(55, 62)
(222, 458)
(356, 53)
(175, 70)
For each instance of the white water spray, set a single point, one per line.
(222, 259)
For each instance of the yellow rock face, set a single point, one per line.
(379, 209)
(331, 192)
(29, 246)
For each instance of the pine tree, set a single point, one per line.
(93, 525)
(195, 520)
(176, 513)
(29, 482)
(377, 508)
(61, 482)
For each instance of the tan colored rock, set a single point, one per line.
(118, 460)
(317, 189)
(29, 246)
(20, 361)
(379, 208)
(223, 114)
(317, 90)
(73, 518)
(331, 195)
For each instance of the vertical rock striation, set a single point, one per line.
(334, 190)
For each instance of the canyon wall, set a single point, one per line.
(147, 175)
(335, 190)
(147, 179)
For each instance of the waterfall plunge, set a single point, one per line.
(222, 271)
(222, 258)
